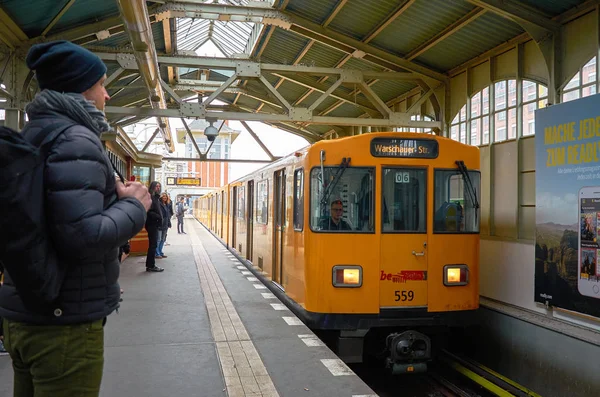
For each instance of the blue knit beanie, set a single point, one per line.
(65, 67)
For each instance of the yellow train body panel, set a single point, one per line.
(412, 216)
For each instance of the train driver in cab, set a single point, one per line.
(335, 221)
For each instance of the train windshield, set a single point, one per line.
(456, 206)
(342, 201)
(404, 202)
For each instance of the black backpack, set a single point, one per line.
(26, 249)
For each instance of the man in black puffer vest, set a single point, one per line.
(89, 216)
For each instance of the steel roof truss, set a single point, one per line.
(195, 110)
(257, 139)
(275, 93)
(248, 70)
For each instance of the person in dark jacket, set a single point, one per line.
(180, 212)
(166, 224)
(171, 214)
(90, 214)
(153, 224)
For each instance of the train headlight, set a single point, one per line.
(456, 275)
(347, 276)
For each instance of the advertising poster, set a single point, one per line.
(567, 247)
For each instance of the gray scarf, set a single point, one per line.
(74, 106)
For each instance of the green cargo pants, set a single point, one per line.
(56, 361)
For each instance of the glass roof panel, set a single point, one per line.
(231, 38)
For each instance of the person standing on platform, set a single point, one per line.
(57, 348)
(166, 224)
(171, 214)
(180, 212)
(153, 224)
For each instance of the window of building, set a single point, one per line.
(404, 203)
(475, 125)
(342, 202)
(583, 84)
(535, 96)
(456, 201)
(417, 117)
(262, 202)
(298, 199)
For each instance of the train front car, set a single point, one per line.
(392, 247)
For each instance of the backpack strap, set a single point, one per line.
(46, 137)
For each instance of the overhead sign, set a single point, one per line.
(411, 148)
(183, 181)
(567, 171)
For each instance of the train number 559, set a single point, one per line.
(404, 295)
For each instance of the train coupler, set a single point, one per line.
(408, 352)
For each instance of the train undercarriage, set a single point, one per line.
(399, 350)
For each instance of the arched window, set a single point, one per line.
(499, 112)
(416, 117)
(535, 96)
(583, 84)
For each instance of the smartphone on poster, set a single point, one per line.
(588, 271)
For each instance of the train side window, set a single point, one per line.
(341, 200)
(404, 201)
(456, 202)
(262, 202)
(299, 200)
(241, 204)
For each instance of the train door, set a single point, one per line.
(278, 226)
(249, 220)
(404, 259)
(233, 219)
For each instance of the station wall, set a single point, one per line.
(508, 163)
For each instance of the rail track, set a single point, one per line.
(450, 375)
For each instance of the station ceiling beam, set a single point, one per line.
(194, 110)
(127, 61)
(359, 49)
(216, 160)
(518, 12)
(57, 17)
(448, 31)
(10, 33)
(219, 12)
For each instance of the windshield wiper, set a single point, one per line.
(327, 190)
(462, 168)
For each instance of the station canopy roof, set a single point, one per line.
(430, 38)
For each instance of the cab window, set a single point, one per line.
(341, 200)
(404, 204)
(456, 201)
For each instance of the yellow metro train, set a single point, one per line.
(375, 235)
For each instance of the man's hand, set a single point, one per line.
(135, 190)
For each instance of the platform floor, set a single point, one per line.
(206, 327)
